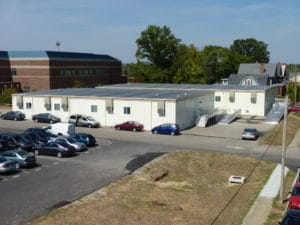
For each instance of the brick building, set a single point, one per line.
(42, 70)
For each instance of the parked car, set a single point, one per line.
(294, 200)
(87, 139)
(167, 128)
(13, 115)
(45, 118)
(20, 157)
(295, 108)
(130, 125)
(250, 134)
(291, 217)
(18, 140)
(79, 146)
(7, 166)
(83, 121)
(42, 132)
(36, 138)
(7, 144)
(55, 149)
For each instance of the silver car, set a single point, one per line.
(7, 166)
(79, 146)
(250, 134)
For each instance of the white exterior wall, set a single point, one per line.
(243, 102)
(143, 111)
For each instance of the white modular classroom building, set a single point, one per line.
(149, 104)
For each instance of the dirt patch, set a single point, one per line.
(194, 190)
(274, 136)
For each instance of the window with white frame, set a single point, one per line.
(56, 106)
(28, 105)
(126, 110)
(94, 108)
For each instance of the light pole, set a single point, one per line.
(57, 45)
(283, 148)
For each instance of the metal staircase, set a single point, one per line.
(228, 118)
(276, 113)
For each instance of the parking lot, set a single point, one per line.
(58, 181)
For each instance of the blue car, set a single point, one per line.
(87, 139)
(167, 128)
(13, 115)
(20, 157)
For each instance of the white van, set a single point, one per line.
(65, 129)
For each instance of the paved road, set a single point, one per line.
(35, 191)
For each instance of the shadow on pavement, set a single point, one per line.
(141, 160)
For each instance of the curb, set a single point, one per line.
(262, 206)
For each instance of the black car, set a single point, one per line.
(45, 118)
(291, 217)
(13, 115)
(41, 132)
(7, 144)
(87, 139)
(54, 149)
(35, 137)
(18, 140)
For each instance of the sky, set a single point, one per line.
(112, 26)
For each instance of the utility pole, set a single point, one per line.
(295, 75)
(283, 148)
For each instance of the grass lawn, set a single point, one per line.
(274, 136)
(193, 190)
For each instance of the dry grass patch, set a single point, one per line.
(194, 191)
(274, 136)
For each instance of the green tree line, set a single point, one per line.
(163, 58)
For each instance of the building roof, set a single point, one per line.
(259, 79)
(271, 69)
(115, 93)
(198, 87)
(146, 91)
(54, 55)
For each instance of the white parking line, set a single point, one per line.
(37, 169)
(16, 176)
(235, 147)
(55, 163)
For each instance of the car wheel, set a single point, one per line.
(118, 128)
(51, 121)
(36, 152)
(172, 133)
(18, 166)
(155, 132)
(15, 119)
(59, 155)
(90, 125)
(36, 120)
(134, 130)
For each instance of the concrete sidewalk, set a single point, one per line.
(263, 204)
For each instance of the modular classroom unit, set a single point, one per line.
(150, 104)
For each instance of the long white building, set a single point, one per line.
(150, 104)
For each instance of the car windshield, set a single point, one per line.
(23, 154)
(296, 192)
(90, 118)
(71, 140)
(249, 130)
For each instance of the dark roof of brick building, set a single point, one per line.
(54, 55)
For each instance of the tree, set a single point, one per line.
(187, 65)
(158, 46)
(6, 95)
(257, 51)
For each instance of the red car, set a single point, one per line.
(130, 125)
(294, 200)
(295, 108)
